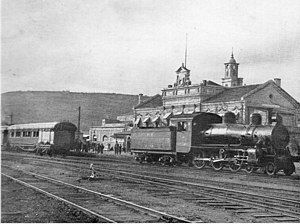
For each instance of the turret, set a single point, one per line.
(231, 78)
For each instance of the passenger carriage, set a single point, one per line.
(28, 137)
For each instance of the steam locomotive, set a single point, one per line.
(206, 139)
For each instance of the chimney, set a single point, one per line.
(140, 98)
(277, 81)
(204, 82)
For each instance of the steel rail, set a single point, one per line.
(256, 204)
(131, 204)
(58, 160)
(85, 210)
(185, 182)
(239, 199)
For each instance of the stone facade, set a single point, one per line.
(267, 99)
(105, 133)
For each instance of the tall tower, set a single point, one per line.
(231, 78)
(183, 76)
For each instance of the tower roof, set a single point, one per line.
(232, 60)
(182, 68)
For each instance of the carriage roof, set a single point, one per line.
(33, 126)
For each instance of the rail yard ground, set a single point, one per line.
(21, 204)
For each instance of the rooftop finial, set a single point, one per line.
(231, 52)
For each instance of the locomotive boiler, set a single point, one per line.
(249, 146)
(206, 139)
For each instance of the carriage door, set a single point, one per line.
(4, 137)
(183, 137)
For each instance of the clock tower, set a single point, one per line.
(231, 78)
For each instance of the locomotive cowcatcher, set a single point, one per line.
(202, 139)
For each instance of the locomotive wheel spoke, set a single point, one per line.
(271, 169)
(235, 166)
(249, 169)
(198, 161)
(289, 170)
(217, 165)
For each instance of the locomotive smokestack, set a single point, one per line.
(256, 119)
(229, 118)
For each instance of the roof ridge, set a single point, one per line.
(146, 101)
(214, 95)
(241, 91)
(293, 101)
(242, 86)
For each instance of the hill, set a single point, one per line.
(48, 106)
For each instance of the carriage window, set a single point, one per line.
(27, 134)
(12, 134)
(182, 126)
(35, 134)
(18, 134)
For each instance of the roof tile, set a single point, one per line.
(231, 94)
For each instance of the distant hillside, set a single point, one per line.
(45, 106)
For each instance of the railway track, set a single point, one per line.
(104, 207)
(232, 185)
(238, 201)
(259, 206)
(131, 161)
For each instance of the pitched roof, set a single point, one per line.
(231, 94)
(153, 102)
(282, 91)
(211, 83)
(182, 67)
(33, 125)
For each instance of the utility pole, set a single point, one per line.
(78, 126)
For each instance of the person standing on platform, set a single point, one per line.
(101, 148)
(120, 148)
(116, 148)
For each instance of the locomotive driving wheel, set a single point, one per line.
(289, 169)
(235, 165)
(249, 169)
(198, 161)
(271, 168)
(217, 165)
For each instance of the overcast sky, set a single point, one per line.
(135, 46)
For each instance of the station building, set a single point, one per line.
(184, 97)
(109, 132)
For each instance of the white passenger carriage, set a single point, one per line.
(27, 136)
(60, 135)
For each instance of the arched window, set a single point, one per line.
(104, 138)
